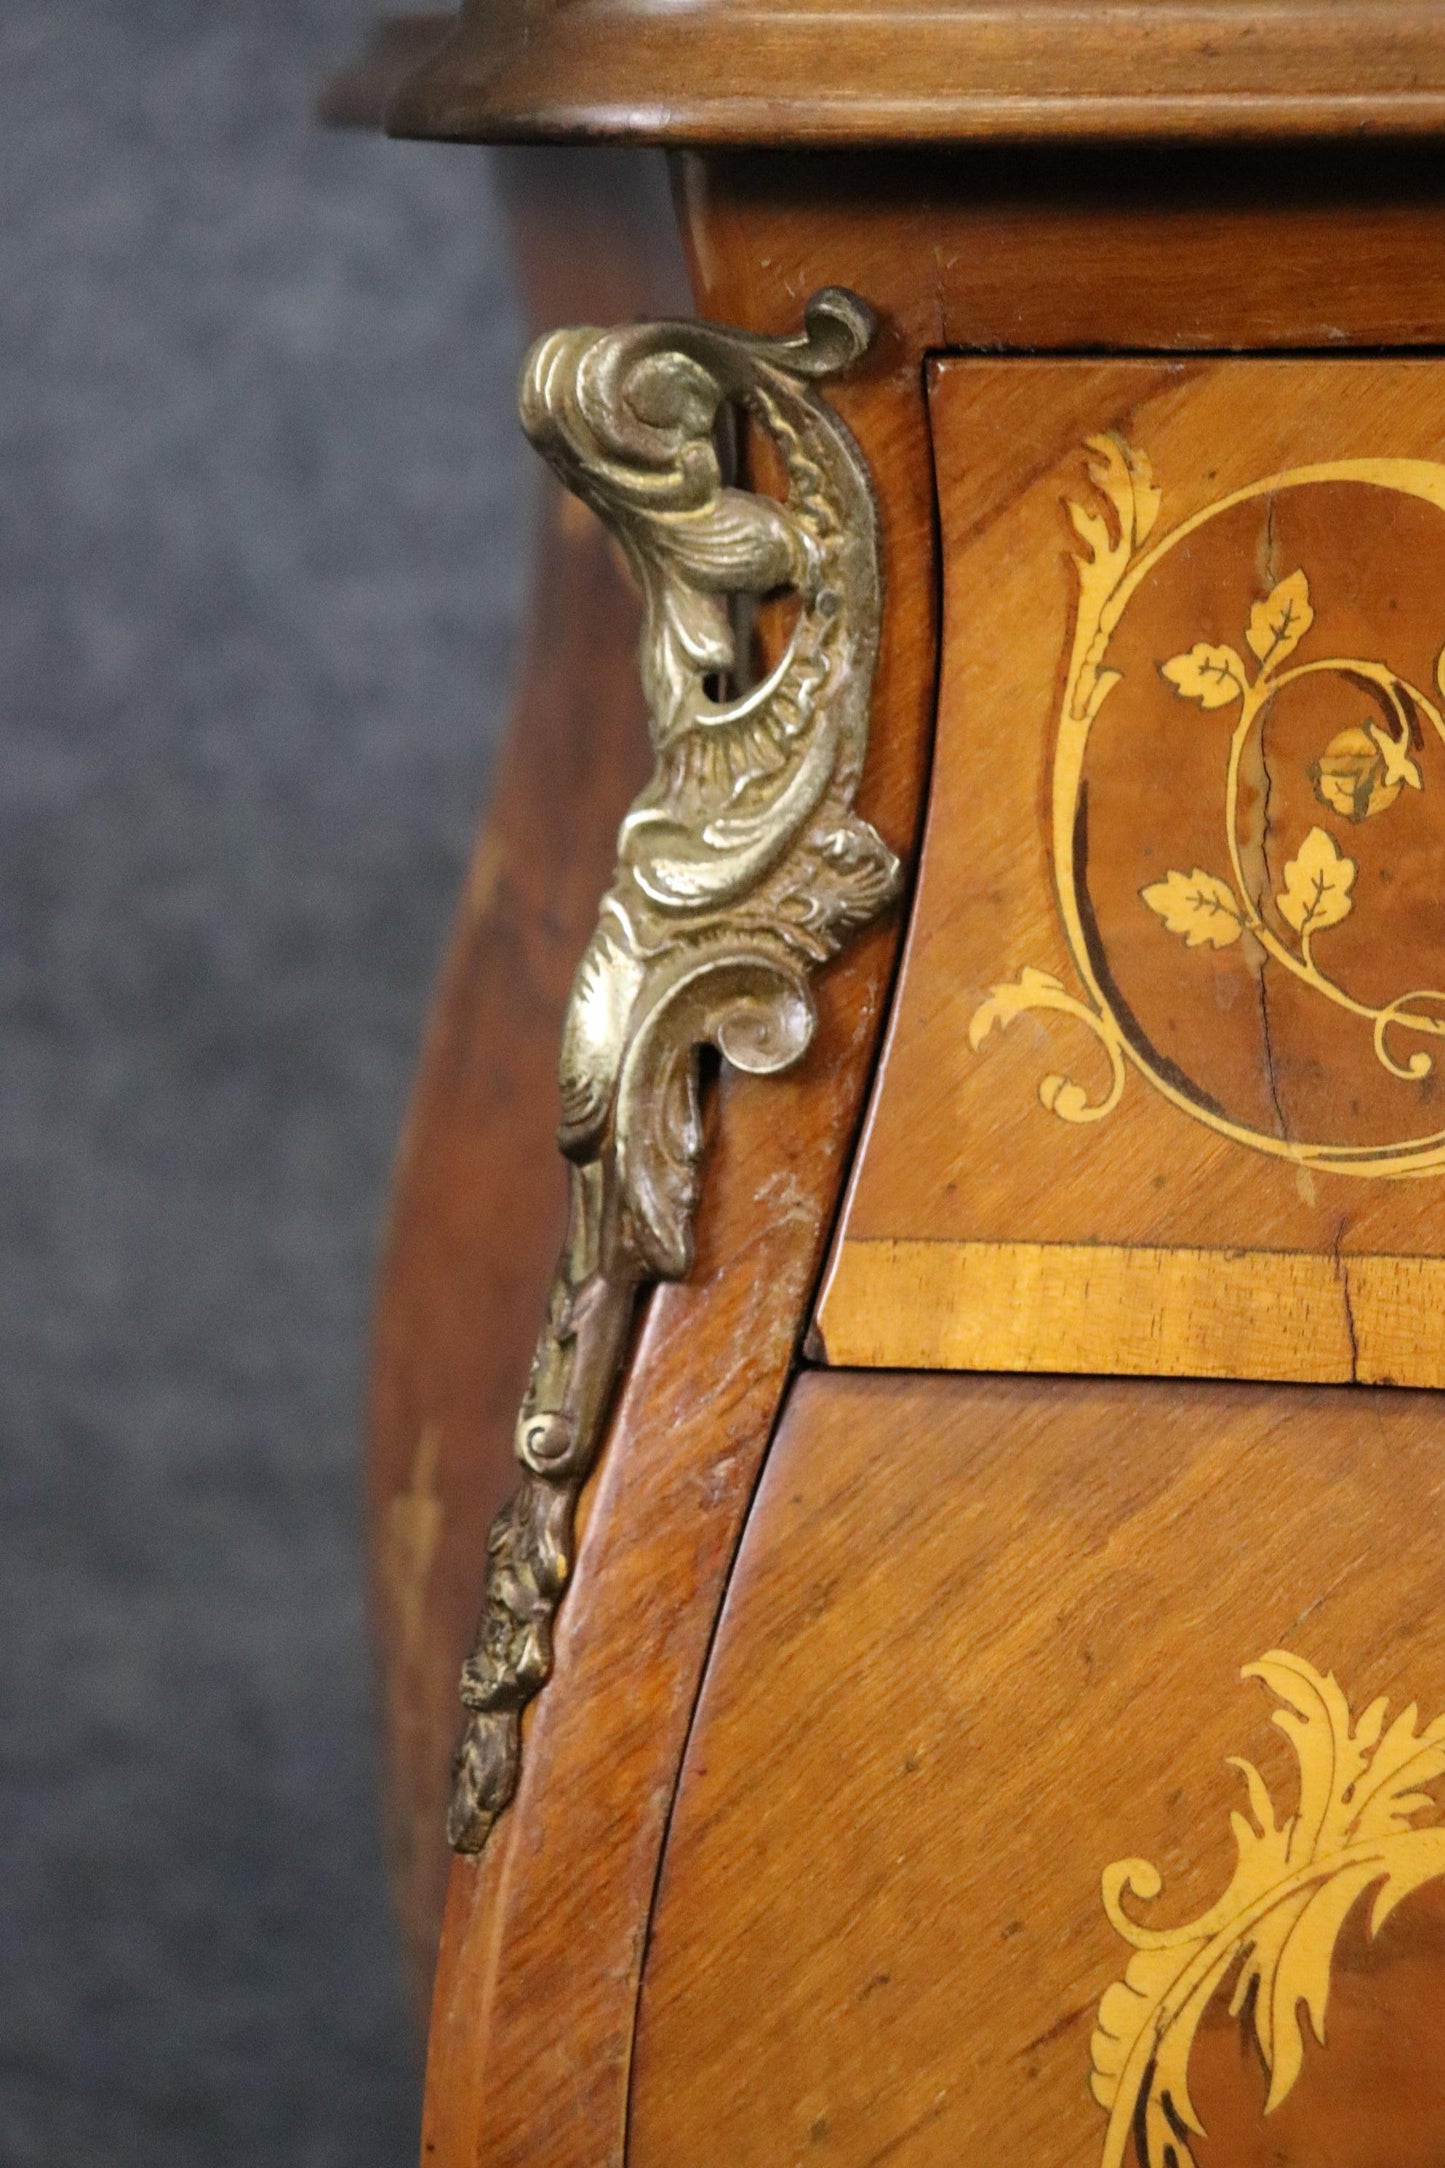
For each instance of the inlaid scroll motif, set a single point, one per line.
(1266, 885)
(741, 868)
(1272, 1936)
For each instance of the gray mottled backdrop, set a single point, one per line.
(262, 530)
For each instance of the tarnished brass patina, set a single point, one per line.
(741, 867)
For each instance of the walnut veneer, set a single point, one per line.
(878, 1804)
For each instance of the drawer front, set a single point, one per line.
(965, 1866)
(1163, 1092)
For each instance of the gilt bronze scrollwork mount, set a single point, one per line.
(741, 868)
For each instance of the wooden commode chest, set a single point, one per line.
(962, 1678)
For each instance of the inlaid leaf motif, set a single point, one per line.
(1198, 906)
(1295, 1882)
(1380, 724)
(1317, 885)
(1211, 675)
(1121, 475)
(1280, 622)
(1034, 989)
(1006, 1002)
(1395, 756)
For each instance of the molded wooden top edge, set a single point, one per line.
(835, 72)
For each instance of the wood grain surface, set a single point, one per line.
(541, 1955)
(984, 1638)
(1133, 1310)
(958, 251)
(1053, 250)
(811, 71)
(1238, 1212)
(479, 1198)
(535, 2006)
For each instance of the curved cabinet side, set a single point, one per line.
(479, 1200)
(542, 1949)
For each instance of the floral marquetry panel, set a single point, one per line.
(1165, 1087)
(1067, 1787)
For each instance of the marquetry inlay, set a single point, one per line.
(1278, 877)
(1165, 1088)
(1270, 1940)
